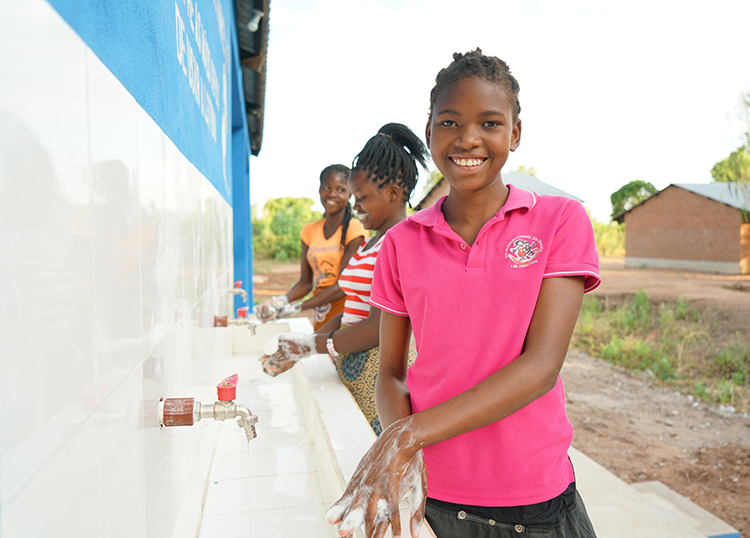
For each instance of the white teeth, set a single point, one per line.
(361, 216)
(469, 162)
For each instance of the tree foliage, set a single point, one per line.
(630, 195)
(523, 169)
(733, 169)
(435, 177)
(276, 230)
(736, 167)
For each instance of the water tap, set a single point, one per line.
(237, 290)
(186, 411)
(241, 320)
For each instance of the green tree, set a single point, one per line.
(523, 169)
(733, 169)
(736, 167)
(276, 230)
(630, 195)
(435, 177)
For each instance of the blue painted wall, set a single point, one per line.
(179, 59)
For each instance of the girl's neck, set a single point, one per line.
(466, 213)
(332, 221)
(390, 222)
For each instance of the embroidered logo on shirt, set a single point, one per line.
(523, 250)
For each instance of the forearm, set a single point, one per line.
(325, 296)
(299, 290)
(391, 394)
(359, 336)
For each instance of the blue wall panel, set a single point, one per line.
(175, 58)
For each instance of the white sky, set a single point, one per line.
(610, 91)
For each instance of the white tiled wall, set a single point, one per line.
(115, 254)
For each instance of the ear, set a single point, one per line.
(428, 132)
(515, 136)
(394, 192)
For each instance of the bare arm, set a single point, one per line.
(357, 337)
(327, 295)
(334, 293)
(305, 283)
(391, 394)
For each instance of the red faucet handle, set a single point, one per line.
(227, 389)
(242, 312)
(238, 284)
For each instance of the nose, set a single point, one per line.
(356, 205)
(468, 137)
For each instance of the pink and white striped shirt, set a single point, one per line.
(355, 282)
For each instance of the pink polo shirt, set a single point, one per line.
(470, 308)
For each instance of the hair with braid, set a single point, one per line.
(476, 64)
(348, 212)
(391, 156)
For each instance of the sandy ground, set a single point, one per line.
(635, 429)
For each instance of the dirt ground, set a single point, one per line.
(634, 428)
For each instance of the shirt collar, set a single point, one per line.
(517, 199)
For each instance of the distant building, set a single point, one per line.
(694, 227)
(522, 181)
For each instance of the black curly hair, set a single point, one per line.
(477, 64)
(348, 212)
(391, 156)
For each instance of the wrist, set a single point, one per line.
(320, 343)
(331, 347)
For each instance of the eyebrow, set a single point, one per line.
(451, 112)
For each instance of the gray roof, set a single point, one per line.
(530, 183)
(732, 194)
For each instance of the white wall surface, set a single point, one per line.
(115, 254)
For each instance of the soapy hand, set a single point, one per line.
(289, 310)
(269, 309)
(282, 351)
(385, 476)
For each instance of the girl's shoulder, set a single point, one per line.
(309, 230)
(355, 230)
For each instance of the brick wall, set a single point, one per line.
(677, 224)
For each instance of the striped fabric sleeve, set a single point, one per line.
(355, 281)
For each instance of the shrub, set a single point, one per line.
(276, 231)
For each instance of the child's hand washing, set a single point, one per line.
(269, 309)
(282, 351)
(388, 473)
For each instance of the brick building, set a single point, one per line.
(695, 227)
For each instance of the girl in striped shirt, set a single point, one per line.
(382, 180)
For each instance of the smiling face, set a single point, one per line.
(334, 193)
(470, 134)
(375, 206)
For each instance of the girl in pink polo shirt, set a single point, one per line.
(490, 280)
(382, 179)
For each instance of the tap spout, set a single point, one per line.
(239, 291)
(228, 410)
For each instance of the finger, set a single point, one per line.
(352, 521)
(336, 512)
(395, 517)
(417, 518)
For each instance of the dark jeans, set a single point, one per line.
(574, 523)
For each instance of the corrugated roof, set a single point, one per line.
(253, 47)
(530, 183)
(732, 194)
